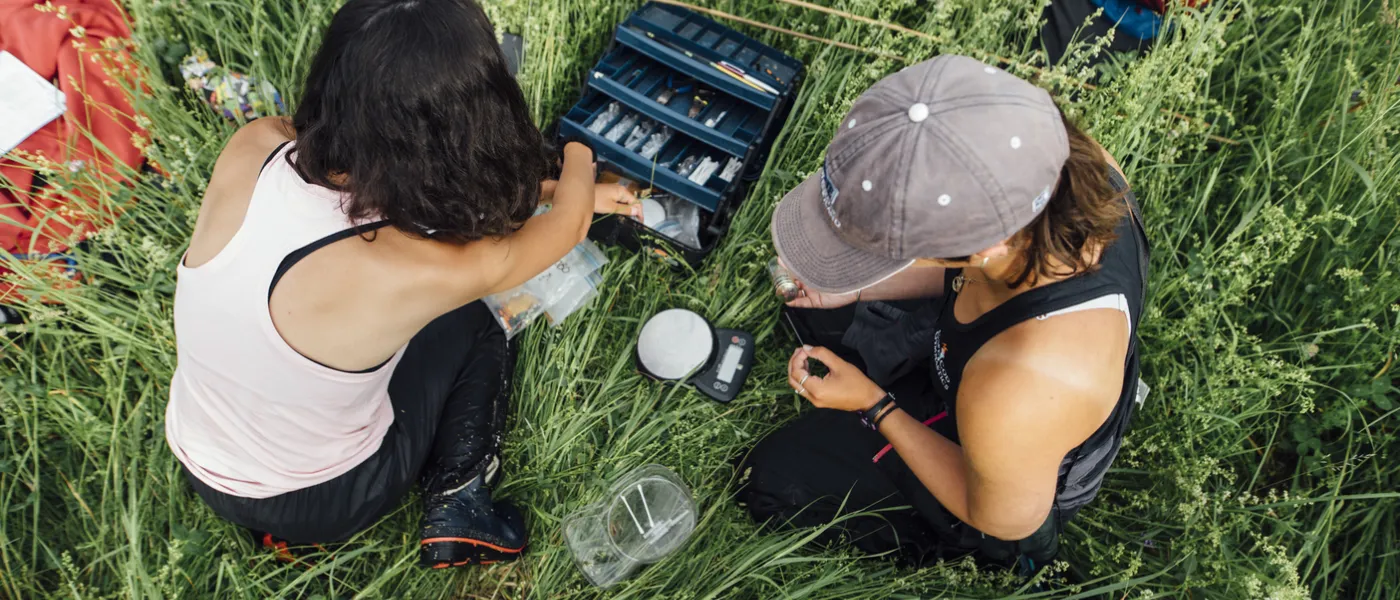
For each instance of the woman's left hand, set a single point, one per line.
(843, 388)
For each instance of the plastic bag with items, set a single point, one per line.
(556, 293)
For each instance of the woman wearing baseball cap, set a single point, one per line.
(994, 409)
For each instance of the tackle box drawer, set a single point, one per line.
(658, 170)
(635, 80)
(721, 95)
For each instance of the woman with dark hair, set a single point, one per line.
(331, 347)
(980, 421)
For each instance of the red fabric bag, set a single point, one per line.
(70, 42)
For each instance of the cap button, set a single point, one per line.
(918, 112)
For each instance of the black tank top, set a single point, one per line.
(1122, 270)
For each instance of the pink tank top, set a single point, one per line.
(248, 414)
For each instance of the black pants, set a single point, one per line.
(823, 466)
(449, 392)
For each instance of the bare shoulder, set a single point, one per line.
(231, 185)
(1061, 376)
(249, 146)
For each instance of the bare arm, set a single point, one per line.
(546, 238)
(249, 147)
(935, 460)
(1016, 426)
(1023, 403)
(914, 282)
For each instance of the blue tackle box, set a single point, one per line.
(689, 108)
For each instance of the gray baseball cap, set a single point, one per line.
(943, 159)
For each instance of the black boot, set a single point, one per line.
(463, 526)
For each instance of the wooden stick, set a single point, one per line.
(796, 34)
(900, 29)
(1000, 59)
(905, 30)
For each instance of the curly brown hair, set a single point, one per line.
(409, 108)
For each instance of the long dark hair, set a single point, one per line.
(1084, 211)
(410, 110)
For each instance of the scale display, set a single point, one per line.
(730, 364)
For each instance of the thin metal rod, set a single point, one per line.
(634, 515)
(650, 522)
(796, 34)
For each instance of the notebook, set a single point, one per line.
(27, 102)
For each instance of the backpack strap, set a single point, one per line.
(1144, 262)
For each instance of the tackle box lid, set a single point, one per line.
(691, 43)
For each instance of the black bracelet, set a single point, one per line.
(876, 423)
(870, 417)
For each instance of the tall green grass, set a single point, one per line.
(1261, 466)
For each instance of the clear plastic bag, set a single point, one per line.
(515, 309)
(560, 280)
(622, 127)
(557, 292)
(687, 166)
(682, 220)
(704, 171)
(582, 291)
(731, 169)
(639, 133)
(605, 117)
(656, 142)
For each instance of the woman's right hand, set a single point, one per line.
(608, 198)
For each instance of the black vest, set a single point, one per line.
(1122, 270)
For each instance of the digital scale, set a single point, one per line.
(679, 345)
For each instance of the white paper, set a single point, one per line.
(27, 102)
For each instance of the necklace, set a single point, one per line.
(960, 280)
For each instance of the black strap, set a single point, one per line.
(1132, 372)
(1130, 199)
(270, 156)
(296, 255)
(876, 423)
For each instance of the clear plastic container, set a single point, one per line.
(645, 516)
